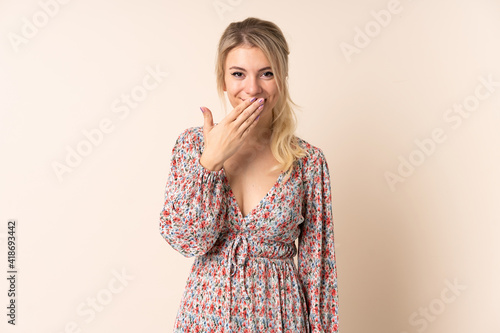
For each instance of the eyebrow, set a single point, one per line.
(242, 69)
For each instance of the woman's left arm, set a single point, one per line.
(316, 254)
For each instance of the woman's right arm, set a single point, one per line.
(195, 202)
(192, 215)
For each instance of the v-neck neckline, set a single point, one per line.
(252, 212)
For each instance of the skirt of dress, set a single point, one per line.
(231, 289)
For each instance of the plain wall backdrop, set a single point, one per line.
(402, 96)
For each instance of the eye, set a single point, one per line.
(237, 74)
(268, 74)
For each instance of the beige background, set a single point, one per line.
(396, 247)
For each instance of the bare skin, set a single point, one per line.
(240, 143)
(251, 176)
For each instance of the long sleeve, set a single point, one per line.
(316, 254)
(192, 215)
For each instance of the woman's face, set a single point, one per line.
(248, 74)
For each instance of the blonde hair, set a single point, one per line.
(269, 38)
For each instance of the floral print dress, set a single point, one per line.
(244, 277)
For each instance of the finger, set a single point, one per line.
(249, 111)
(250, 123)
(208, 121)
(233, 115)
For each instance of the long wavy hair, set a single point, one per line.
(269, 38)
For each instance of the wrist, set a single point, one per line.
(209, 163)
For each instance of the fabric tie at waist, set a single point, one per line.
(242, 246)
(237, 258)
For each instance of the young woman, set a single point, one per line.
(240, 192)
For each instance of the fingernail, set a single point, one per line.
(253, 99)
(261, 100)
(202, 110)
(257, 117)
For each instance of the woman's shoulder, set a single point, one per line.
(313, 153)
(314, 164)
(189, 141)
(192, 134)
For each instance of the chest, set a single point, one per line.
(251, 178)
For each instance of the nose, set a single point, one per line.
(252, 86)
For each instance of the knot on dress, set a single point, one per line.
(238, 254)
(243, 245)
(237, 258)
